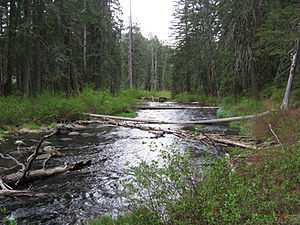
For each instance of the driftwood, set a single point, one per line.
(176, 107)
(203, 122)
(32, 157)
(231, 142)
(205, 139)
(15, 193)
(42, 173)
(26, 175)
(7, 191)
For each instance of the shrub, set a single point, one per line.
(261, 190)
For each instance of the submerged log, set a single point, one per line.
(200, 122)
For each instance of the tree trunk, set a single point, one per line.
(285, 102)
(84, 41)
(11, 48)
(130, 51)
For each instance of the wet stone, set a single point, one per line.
(74, 133)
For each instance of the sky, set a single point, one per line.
(153, 16)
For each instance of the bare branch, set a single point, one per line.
(275, 135)
(33, 156)
(9, 157)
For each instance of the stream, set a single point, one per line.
(77, 196)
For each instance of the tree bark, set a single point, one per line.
(130, 51)
(12, 179)
(285, 102)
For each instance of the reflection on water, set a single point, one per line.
(94, 191)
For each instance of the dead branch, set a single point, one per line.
(205, 139)
(15, 193)
(9, 157)
(32, 157)
(42, 173)
(275, 135)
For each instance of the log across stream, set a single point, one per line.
(78, 195)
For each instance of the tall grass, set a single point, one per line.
(48, 108)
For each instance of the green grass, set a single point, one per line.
(127, 114)
(48, 109)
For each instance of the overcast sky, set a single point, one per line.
(153, 16)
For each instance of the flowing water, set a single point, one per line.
(94, 191)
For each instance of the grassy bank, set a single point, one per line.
(47, 108)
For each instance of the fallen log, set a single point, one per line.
(233, 143)
(15, 193)
(176, 108)
(200, 122)
(205, 139)
(32, 158)
(12, 179)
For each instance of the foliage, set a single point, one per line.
(152, 64)
(7, 220)
(59, 46)
(261, 190)
(233, 47)
(48, 108)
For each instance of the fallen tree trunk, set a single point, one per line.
(234, 143)
(15, 193)
(39, 174)
(205, 139)
(175, 107)
(203, 122)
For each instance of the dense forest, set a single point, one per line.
(234, 47)
(221, 47)
(66, 45)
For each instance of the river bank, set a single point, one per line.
(234, 191)
(248, 187)
(95, 190)
(45, 111)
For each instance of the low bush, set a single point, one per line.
(263, 189)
